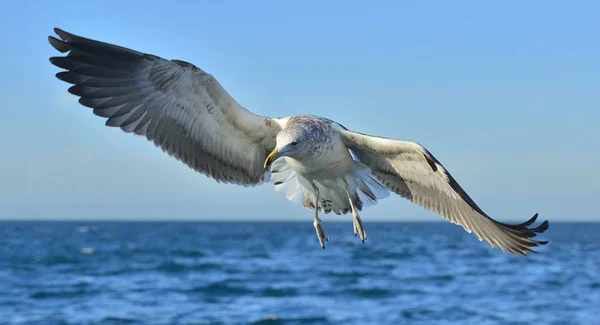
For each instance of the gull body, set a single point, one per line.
(313, 160)
(318, 166)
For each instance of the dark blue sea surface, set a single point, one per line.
(276, 273)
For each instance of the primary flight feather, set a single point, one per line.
(315, 161)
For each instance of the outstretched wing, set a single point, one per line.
(174, 104)
(409, 170)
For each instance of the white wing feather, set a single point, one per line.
(411, 171)
(174, 104)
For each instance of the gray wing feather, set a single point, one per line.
(411, 171)
(180, 108)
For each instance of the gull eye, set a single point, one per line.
(294, 143)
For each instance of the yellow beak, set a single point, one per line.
(271, 157)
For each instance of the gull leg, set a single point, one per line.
(356, 221)
(321, 234)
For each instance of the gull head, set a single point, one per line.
(296, 141)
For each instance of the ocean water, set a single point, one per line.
(276, 273)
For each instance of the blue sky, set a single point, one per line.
(506, 95)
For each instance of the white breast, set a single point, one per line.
(332, 163)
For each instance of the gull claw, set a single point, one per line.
(358, 227)
(321, 234)
(356, 221)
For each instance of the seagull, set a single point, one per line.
(315, 161)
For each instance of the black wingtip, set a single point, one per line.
(66, 76)
(523, 235)
(541, 228)
(62, 62)
(530, 221)
(75, 90)
(523, 226)
(62, 34)
(544, 226)
(59, 45)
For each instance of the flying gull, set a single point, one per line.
(315, 161)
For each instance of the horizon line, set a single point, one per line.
(252, 220)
